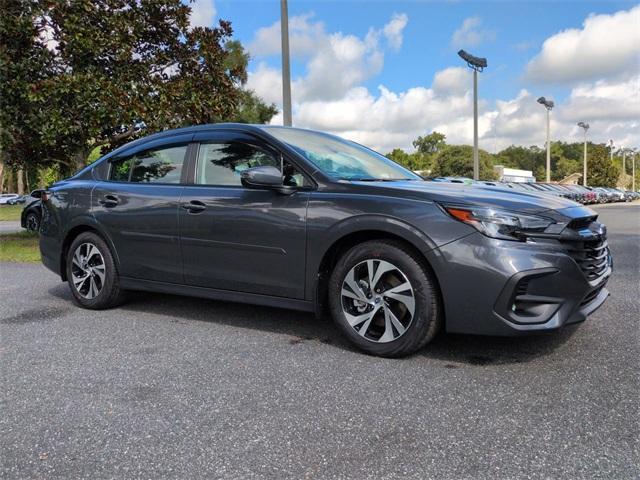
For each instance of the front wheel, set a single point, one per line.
(384, 299)
(92, 273)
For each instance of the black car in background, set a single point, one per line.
(31, 215)
(304, 220)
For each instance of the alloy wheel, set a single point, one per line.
(378, 300)
(88, 270)
(32, 223)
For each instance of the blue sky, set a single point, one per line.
(510, 34)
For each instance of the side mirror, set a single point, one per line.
(265, 177)
(37, 193)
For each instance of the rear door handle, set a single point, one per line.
(109, 201)
(194, 206)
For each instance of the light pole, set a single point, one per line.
(611, 149)
(477, 64)
(548, 104)
(584, 126)
(286, 70)
(631, 151)
(633, 172)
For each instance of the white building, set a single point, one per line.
(514, 175)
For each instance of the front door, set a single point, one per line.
(138, 208)
(238, 239)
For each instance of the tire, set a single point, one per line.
(91, 264)
(404, 316)
(32, 222)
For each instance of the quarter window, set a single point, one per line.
(222, 163)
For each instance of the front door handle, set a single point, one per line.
(109, 201)
(194, 206)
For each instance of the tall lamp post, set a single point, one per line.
(584, 126)
(611, 149)
(624, 160)
(633, 172)
(632, 153)
(548, 104)
(477, 64)
(286, 70)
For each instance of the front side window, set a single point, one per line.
(222, 163)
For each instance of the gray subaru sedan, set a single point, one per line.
(301, 219)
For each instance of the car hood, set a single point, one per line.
(488, 196)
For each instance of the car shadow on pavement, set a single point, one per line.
(297, 327)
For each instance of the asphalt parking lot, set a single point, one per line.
(171, 387)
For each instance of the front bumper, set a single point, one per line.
(495, 287)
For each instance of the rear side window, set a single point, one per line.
(161, 165)
(222, 163)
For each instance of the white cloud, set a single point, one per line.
(387, 120)
(330, 96)
(267, 83)
(606, 45)
(393, 30)
(203, 13)
(304, 36)
(335, 62)
(470, 34)
(452, 80)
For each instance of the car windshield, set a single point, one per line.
(341, 159)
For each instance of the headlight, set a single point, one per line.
(495, 223)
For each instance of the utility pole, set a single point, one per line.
(633, 172)
(548, 104)
(584, 126)
(477, 64)
(476, 155)
(611, 149)
(286, 69)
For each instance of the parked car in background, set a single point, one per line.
(305, 220)
(18, 200)
(465, 180)
(6, 197)
(617, 195)
(31, 215)
(631, 195)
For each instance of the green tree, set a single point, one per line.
(430, 144)
(113, 70)
(602, 172)
(415, 161)
(457, 160)
(250, 107)
(522, 158)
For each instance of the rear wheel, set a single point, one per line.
(384, 299)
(92, 273)
(32, 222)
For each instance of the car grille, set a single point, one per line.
(592, 257)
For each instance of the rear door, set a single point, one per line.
(138, 207)
(238, 239)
